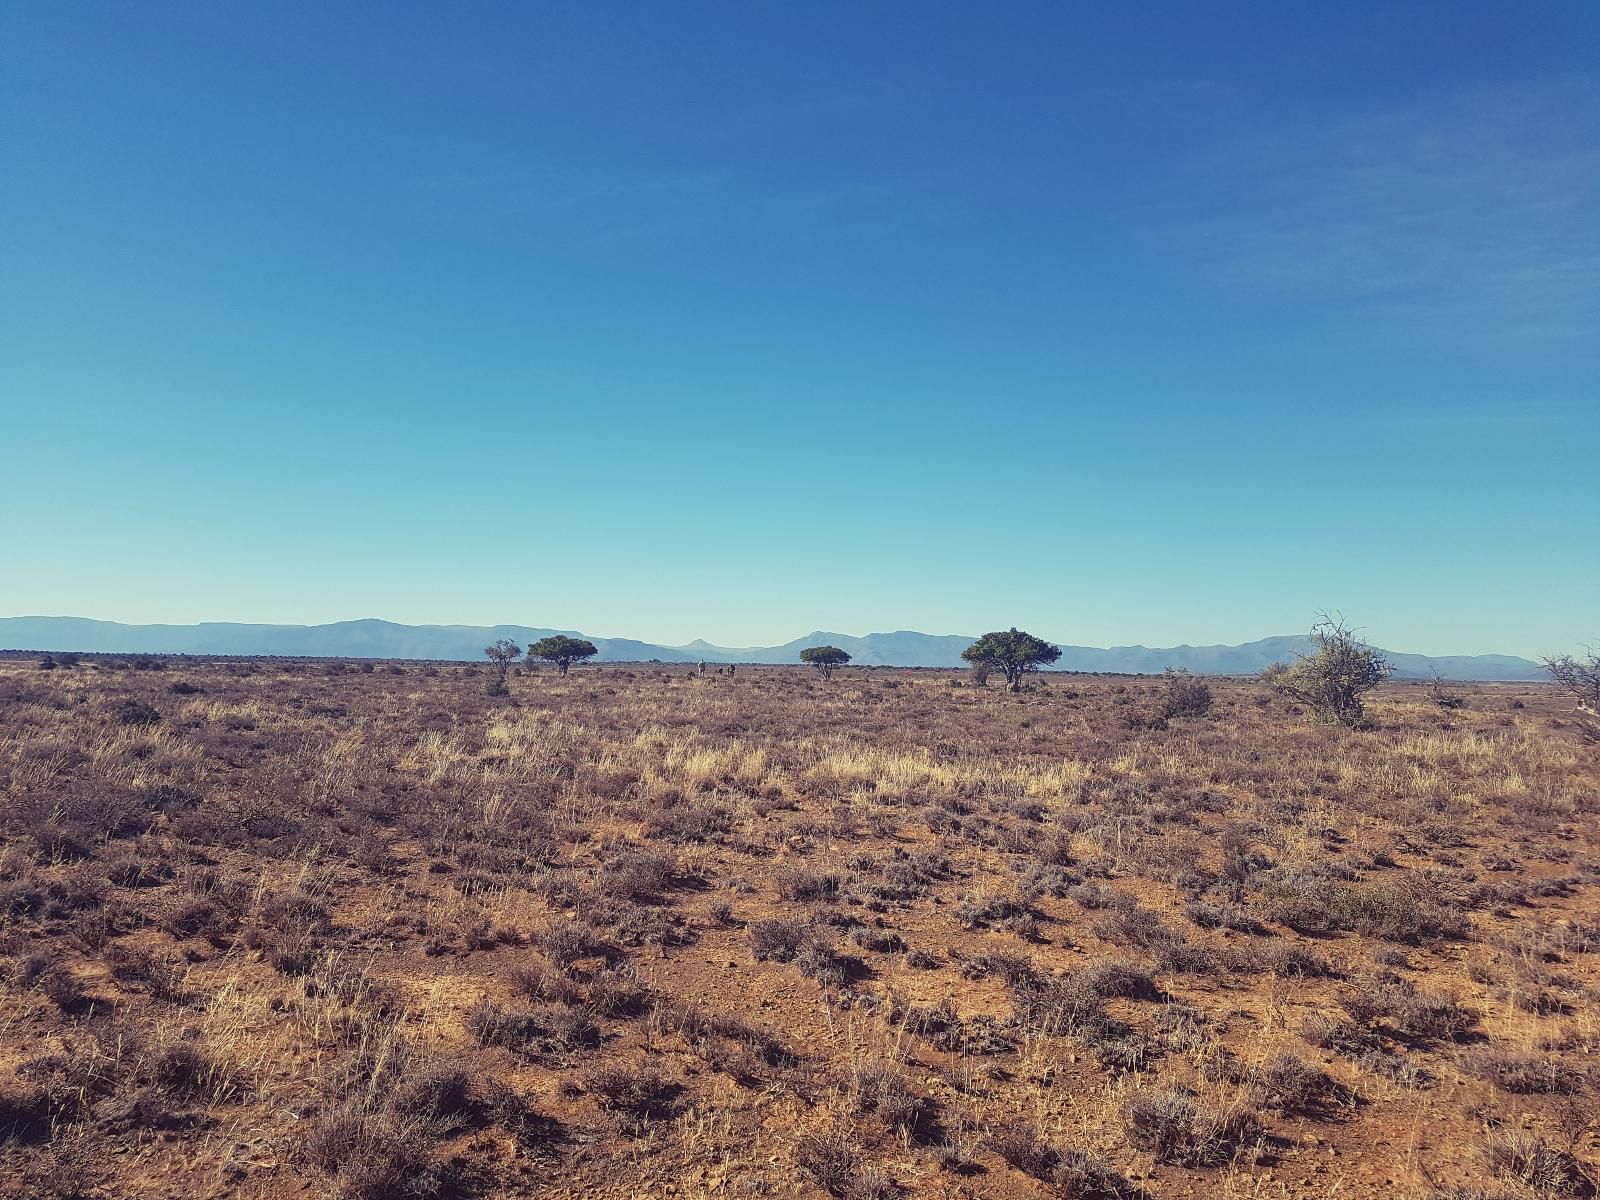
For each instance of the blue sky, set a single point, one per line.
(1123, 323)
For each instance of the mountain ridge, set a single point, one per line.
(372, 637)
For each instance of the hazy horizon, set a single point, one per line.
(1149, 325)
(782, 638)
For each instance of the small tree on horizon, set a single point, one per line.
(824, 658)
(562, 650)
(1331, 680)
(1013, 652)
(502, 654)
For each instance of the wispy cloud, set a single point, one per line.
(1478, 212)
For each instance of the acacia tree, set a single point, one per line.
(1581, 678)
(824, 658)
(502, 654)
(562, 650)
(1013, 653)
(1332, 680)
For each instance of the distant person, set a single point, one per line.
(730, 669)
(702, 666)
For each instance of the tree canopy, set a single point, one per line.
(1013, 652)
(562, 650)
(824, 658)
(504, 652)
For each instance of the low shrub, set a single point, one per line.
(1408, 1010)
(1075, 1174)
(1529, 1074)
(1181, 1130)
(374, 1155)
(1290, 1086)
(635, 1096)
(1523, 1157)
(832, 1157)
(137, 712)
(1186, 695)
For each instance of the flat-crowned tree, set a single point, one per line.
(502, 654)
(1581, 678)
(1331, 680)
(1013, 653)
(562, 650)
(824, 658)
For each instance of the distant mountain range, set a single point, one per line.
(385, 639)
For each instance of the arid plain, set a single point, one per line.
(292, 929)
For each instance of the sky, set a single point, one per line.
(1149, 323)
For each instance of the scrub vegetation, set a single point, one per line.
(283, 929)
